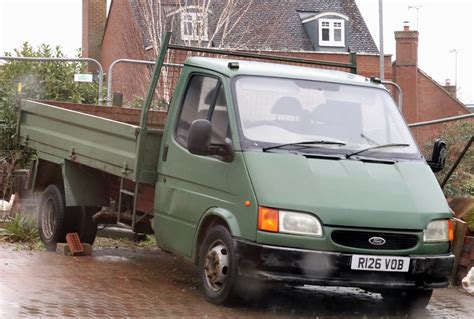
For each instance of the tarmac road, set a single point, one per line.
(130, 282)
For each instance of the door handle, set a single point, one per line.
(164, 156)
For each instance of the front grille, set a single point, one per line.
(360, 239)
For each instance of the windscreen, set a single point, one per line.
(277, 110)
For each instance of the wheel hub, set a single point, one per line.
(49, 220)
(216, 266)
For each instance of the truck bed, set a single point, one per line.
(101, 137)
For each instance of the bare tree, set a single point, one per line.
(199, 23)
(158, 16)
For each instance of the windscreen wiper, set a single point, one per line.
(376, 147)
(304, 144)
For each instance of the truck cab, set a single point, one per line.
(300, 176)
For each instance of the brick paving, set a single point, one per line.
(130, 282)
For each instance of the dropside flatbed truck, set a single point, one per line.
(258, 172)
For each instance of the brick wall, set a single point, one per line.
(434, 103)
(406, 71)
(122, 40)
(93, 24)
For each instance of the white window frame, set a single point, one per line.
(332, 42)
(193, 18)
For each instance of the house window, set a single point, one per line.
(194, 26)
(331, 32)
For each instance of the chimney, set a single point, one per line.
(407, 47)
(406, 70)
(93, 26)
(451, 89)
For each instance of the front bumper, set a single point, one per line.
(300, 266)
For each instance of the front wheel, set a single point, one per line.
(217, 266)
(407, 299)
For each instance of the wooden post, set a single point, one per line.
(460, 228)
(117, 99)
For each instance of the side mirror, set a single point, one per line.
(199, 137)
(439, 155)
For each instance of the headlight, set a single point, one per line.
(438, 230)
(300, 223)
(274, 220)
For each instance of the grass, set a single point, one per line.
(21, 231)
(148, 243)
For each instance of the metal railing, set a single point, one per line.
(399, 90)
(443, 120)
(130, 61)
(351, 65)
(177, 54)
(465, 149)
(38, 59)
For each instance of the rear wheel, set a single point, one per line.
(217, 266)
(407, 299)
(55, 220)
(51, 217)
(79, 220)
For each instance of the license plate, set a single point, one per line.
(380, 263)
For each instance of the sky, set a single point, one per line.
(444, 25)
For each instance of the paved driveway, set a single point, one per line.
(137, 283)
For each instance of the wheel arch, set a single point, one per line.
(44, 173)
(81, 185)
(212, 217)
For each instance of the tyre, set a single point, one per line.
(79, 220)
(51, 217)
(217, 266)
(407, 299)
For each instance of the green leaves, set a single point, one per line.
(39, 80)
(23, 229)
(457, 134)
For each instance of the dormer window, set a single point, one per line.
(331, 32)
(194, 26)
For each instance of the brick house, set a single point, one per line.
(310, 29)
(424, 99)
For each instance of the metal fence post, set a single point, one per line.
(110, 75)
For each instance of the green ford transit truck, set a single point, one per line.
(258, 171)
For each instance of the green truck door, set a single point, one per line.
(190, 184)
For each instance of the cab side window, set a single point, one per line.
(204, 99)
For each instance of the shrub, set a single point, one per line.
(23, 229)
(158, 104)
(456, 135)
(38, 80)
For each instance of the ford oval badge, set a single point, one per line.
(377, 241)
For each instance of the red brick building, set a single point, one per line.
(125, 35)
(424, 99)
(311, 29)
